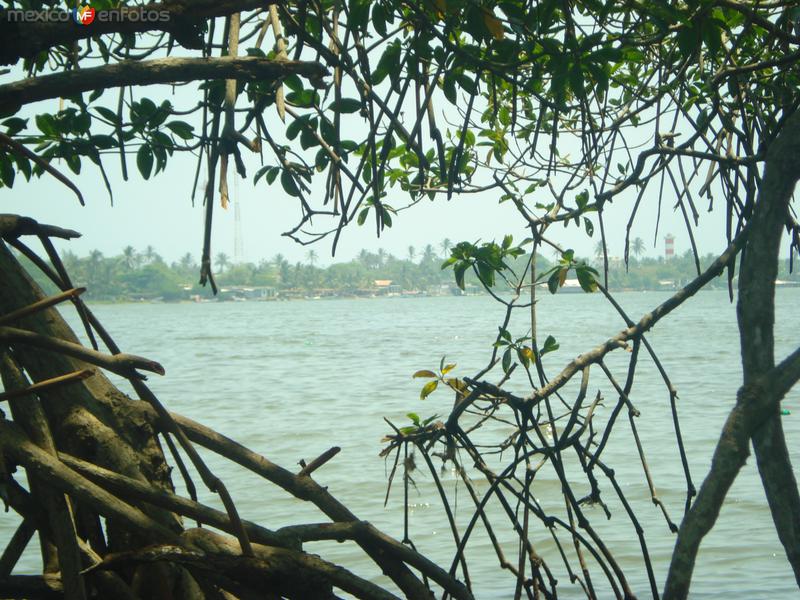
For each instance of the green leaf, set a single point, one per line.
(425, 373)
(449, 88)
(14, 125)
(553, 282)
(688, 41)
(487, 273)
(586, 279)
(576, 80)
(23, 165)
(345, 105)
(260, 173)
(389, 63)
(589, 226)
(430, 419)
(144, 160)
(506, 360)
(379, 19)
(46, 124)
(82, 123)
(448, 368)
(73, 162)
(321, 160)
(550, 345)
(414, 418)
(7, 171)
(294, 83)
(359, 14)
(328, 132)
(308, 139)
(459, 270)
(107, 114)
(289, 184)
(295, 127)
(428, 389)
(181, 129)
(303, 98)
(103, 142)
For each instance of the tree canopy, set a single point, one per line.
(359, 109)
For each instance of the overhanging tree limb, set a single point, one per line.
(149, 72)
(754, 403)
(756, 312)
(756, 412)
(27, 38)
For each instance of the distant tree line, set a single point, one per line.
(135, 274)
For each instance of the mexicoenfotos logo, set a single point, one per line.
(83, 15)
(86, 15)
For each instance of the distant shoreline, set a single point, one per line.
(217, 299)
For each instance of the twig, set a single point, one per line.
(41, 305)
(46, 166)
(318, 462)
(121, 364)
(73, 377)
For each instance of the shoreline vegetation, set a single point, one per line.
(134, 276)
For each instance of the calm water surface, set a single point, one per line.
(291, 379)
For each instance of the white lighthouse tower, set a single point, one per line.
(669, 246)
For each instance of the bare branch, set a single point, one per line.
(121, 364)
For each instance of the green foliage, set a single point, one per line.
(557, 275)
(487, 260)
(439, 377)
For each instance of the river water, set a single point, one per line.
(291, 379)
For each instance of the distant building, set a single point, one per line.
(669, 246)
(385, 286)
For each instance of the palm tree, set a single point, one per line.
(412, 253)
(311, 257)
(129, 258)
(599, 249)
(222, 261)
(637, 247)
(187, 262)
(445, 245)
(428, 254)
(382, 256)
(285, 272)
(149, 254)
(71, 261)
(94, 264)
